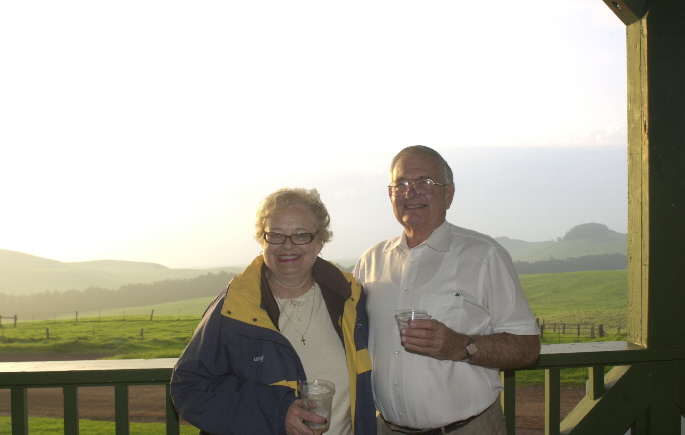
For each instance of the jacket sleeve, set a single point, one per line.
(211, 395)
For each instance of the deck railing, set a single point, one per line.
(121, 374)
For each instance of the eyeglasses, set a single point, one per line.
(297, 238)
(424, 186)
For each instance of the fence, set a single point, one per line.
(11, 318)
(577, 330)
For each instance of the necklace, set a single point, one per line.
(311, 314)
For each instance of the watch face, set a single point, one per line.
(471, 348)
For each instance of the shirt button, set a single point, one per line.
(397, 352)
(401, 415)
(396, 385)
(406, 289)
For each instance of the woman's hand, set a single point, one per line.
(294, 420)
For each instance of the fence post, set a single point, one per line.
(15, 320)
(151, 314)
(77, 317)
(600, 331)
(141, 332)
(47, 333)
(592, 331)
(579, 331)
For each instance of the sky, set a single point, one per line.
(150, 131)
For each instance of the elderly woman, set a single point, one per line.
(288, 317)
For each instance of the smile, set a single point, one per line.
(290, 257)
(416, 206)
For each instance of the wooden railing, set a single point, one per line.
(69, 375)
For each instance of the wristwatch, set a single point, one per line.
(471, 348)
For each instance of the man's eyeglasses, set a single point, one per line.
(297, 238)
(424, 186)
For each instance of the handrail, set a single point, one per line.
(19, 376)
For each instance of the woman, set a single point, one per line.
(288, 317)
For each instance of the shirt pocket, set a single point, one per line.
(445, 309)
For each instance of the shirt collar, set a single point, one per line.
(439, 240)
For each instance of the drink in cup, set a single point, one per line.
(317, 397)
(404, 316)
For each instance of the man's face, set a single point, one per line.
(421, 213)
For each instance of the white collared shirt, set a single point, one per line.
(465, 280)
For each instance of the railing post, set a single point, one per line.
(20, 411)
(509, 399)
(121, 410)
(71, 422)
(172, 419)
(552, 401)
(595, 382)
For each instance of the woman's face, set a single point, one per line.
(291, 263)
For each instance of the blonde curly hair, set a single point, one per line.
(288, 197)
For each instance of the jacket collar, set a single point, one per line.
(335, 289)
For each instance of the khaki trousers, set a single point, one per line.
(490, 422)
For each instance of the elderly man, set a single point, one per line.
(441, 376)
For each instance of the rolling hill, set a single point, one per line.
(581, 240)
(22, 273)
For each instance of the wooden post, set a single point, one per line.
(77, 317)
(141, 332)
(151, 314)
(15, 320)
(47, 333)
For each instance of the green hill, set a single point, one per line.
(574, 297)
(579, 241)
(25, 274)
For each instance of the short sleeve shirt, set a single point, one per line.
(467, 281)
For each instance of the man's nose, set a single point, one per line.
(412, 192)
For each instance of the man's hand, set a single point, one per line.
(504, 351)
(434, 339)
(294, 420)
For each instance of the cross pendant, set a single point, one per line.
(303, 341)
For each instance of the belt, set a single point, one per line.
(438, 430)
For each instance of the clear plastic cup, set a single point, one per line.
(317, 397)
(404, 316)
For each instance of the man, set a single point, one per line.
(441, 376)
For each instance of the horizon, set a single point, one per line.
(158, 143)
(345, 262)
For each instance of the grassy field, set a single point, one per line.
(39, 426)
(162, 331)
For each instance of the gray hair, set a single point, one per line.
(289, 197)
(422, 150)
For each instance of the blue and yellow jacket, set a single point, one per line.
(239, 374)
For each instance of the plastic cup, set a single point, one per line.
(404, 316)
(317, 397)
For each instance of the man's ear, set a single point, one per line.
(449, 195)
